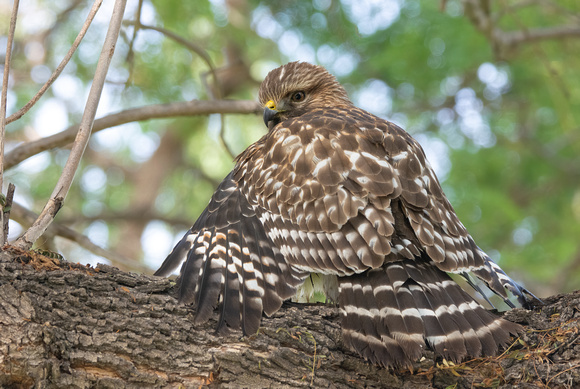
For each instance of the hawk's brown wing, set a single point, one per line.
(230, 261)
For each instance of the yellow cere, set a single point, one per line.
(271, 105)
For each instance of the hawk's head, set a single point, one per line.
(296, 88)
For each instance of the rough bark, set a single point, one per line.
(64, 325)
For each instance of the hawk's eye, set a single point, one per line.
(298, 96)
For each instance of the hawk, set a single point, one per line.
(334, 190)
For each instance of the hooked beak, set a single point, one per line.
(269, 115)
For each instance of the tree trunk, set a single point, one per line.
(65, 325)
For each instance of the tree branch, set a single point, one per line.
(156, 111)
(3, 100)
(537, 34)
(17, 115)
(484, 20)
(131, 51)
(62, 187)
(106, 328)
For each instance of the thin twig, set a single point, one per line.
(223, 137)
(313, 359)
(17, 115)
(562, 372)
(64, 183)
(566, 345)
(3, 100)
(155, 111)
(131, 52)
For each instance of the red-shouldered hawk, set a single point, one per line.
(335, 190)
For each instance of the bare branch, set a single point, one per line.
(555, 73)
(485, 21)
(131, 53)
(538, 34)
(17, 115)
(3, 100)
(62, 187)
(26, 217)
(223, 138)
(156, 111)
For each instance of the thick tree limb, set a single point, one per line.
(156, 111)
(65, 325)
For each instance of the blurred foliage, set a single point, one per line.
(500, 123)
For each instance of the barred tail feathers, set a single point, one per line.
(390, 313)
